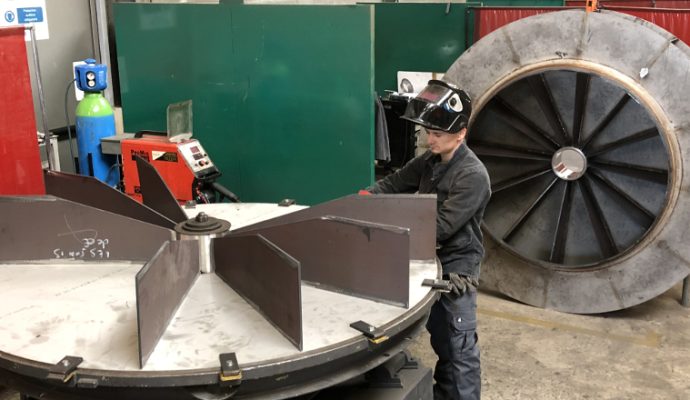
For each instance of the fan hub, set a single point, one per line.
(203, 228)
(569, 163)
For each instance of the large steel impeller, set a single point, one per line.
(576, 162)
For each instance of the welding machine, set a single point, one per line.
(184, 166)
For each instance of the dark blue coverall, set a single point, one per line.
(463, 189)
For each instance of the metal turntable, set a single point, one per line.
(104, 297)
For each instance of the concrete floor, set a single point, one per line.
(530, 353)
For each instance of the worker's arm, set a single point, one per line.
(404, 180)
(470, 191)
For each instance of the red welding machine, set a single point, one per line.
(184, 166)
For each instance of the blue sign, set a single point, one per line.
(9, 16)
(30, 14)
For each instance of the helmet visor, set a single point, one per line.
(431, 115)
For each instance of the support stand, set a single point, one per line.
(400, 378)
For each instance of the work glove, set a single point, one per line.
(460, 283)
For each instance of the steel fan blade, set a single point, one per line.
(416, 212)
(358, 258)
(156, 193)
(266, 277)
(161, 286)
(46, 227)
(92, 192)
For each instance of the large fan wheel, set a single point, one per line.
(589, 193)
(581, 121)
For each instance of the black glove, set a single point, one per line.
(460, 283)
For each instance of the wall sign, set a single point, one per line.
(25, 12)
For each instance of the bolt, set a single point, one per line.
(230, 363)
(201, 217)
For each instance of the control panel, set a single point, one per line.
(196, 158)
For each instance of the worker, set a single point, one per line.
(460, 181)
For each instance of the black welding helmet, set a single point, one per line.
(440, 106)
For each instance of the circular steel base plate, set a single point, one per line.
(88, 310)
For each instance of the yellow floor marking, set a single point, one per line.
(652, 339)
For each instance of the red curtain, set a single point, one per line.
(488, 19)
(20, 163)
(676, 21)
(634, 3)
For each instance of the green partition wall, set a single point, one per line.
(427, 36)
(283, 95)
(418, 37)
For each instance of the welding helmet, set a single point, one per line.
(440, 106)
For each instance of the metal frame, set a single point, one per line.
(50, 156)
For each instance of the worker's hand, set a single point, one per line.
(460, 283)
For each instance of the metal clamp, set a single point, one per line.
(441, 285)
(374, 334)
(65, 369)
(230, 372)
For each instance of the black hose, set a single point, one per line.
(225, 192)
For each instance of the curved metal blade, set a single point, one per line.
(266, 277)
(156, 194)
(47, 227)
(161, 286)
(416, 212)
(358, 258)
(92, 192)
